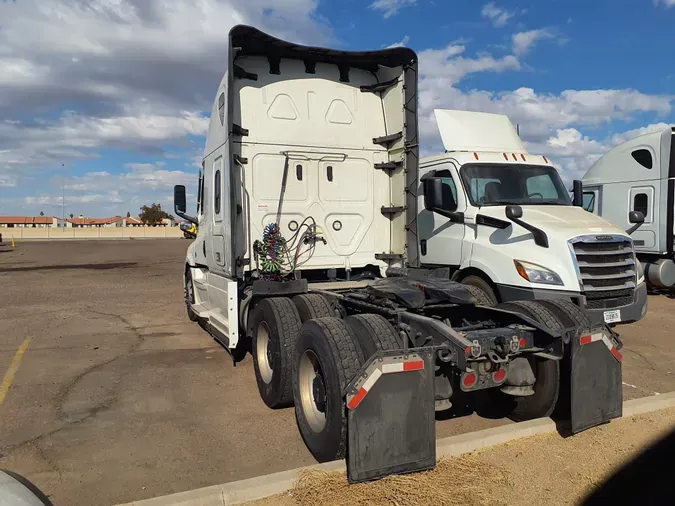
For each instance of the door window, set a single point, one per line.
(449, 190)
(216, 193)
(589, 201)
(641, 204)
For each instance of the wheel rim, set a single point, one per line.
(189, 295)
(312, 391)
(263, 353)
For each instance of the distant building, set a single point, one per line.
(28, 221)
(81, 222)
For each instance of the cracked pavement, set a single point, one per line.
(120, 397)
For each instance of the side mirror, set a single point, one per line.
(578, 193)
(179, 199)
(637, 218)
(514, 212)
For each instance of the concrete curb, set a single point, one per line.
(264, 486)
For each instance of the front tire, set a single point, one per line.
(327, 358)
(482, 291)
(275, 324)
(190, 295)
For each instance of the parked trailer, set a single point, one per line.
(306, 253)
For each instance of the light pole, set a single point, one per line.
(63, 199)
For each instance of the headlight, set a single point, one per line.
(537, 274)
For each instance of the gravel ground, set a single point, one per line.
(545, 469)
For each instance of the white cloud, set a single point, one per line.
(56, 201)
(402, 43)
(630, 134)
(497, 15)
(137, 72)
(524, 41)
(390, 7)
(667, 3)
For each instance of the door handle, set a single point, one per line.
(298, 172)
(204, 248)
(329, 173)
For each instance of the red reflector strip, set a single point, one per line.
(617, 354)
(356, 400)
(586, 339)
(417, 365)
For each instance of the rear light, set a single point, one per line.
(522, 342)
(469, 379)
(499, 375)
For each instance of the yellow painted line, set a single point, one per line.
(13, 367)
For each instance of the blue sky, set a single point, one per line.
(110, 99)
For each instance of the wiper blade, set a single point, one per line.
(503, 202)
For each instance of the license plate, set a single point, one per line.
(612, 316)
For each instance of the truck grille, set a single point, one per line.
(606, 269)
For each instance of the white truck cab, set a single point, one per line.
(502, 220)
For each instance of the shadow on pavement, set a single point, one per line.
(647, 479)
(96, 267)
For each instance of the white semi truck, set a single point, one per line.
(307, 254)
(633, 185)
(502, 220)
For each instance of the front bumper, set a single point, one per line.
(629, 313)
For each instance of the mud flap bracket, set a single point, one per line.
(390, 415)
(596, 388)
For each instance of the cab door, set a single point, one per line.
(440, 238)
(643, 199)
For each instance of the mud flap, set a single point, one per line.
(391, 417)
(596, 390)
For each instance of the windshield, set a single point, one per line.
(503, 184)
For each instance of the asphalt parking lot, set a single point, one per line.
(117, 396)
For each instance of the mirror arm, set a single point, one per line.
(454, 216)
(540, 237)
(633, 228)
(186, 217)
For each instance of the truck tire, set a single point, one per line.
(569, 313)
(546, 372)
(481, 290)
(311, 306)
(275, 324)
(373, 333)
(190, 295)
(327, 358)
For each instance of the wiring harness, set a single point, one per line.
(277, 258)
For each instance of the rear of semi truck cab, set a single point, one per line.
(307, 255)
(502, 220)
